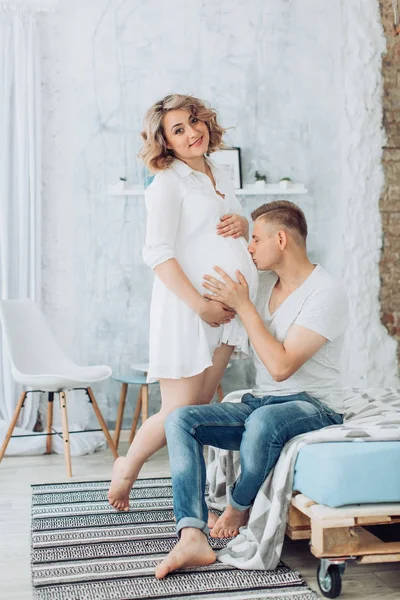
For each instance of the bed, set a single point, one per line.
(342, 491)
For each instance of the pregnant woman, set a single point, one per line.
(194, 223)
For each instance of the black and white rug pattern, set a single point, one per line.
(83, 549)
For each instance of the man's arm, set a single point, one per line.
(281, 359)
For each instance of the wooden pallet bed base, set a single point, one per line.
(339, 532)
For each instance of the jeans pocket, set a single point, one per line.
(335, 417)
(324, 409)
(251, 401)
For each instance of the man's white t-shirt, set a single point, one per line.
(320, 303)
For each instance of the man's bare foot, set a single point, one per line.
(118, 494)
(192, 550)
(229, 522)
(212, 519)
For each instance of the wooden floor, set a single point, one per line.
(361, 582)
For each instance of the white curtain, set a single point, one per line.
(20, 222)
(20, 193)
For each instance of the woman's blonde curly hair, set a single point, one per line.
(155, 153)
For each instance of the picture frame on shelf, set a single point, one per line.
(230, 157)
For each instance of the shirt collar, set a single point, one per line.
(181, 168)
(215, 170)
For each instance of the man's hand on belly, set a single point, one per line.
(235, 295)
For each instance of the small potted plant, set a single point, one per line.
(261, 180)
(285, 183)
(123, 183)
(120, 186)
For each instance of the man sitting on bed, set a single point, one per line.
(296, 333)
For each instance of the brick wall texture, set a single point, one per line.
(390, 199)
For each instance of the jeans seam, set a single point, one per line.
(199, 475)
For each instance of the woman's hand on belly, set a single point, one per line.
(215, 313)
(234, 226)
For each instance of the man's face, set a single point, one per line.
(265, 246)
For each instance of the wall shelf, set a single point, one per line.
(248, 190)
(135, 190)
(271, 189)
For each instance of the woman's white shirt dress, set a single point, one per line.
(183, 212)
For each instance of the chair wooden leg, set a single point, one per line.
(65, 431)
(49, 439)
(120, 415)
(136, 416)
(102, 423)
(145, 402)
(12, 424)
(220, 393)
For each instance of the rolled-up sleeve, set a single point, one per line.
(163, 202)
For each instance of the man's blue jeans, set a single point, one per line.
(258, 427)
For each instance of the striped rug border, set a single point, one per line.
(82, 549)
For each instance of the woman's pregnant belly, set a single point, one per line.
(199, 257)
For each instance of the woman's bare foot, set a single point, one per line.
(229, 522)
(118, 494)
(192, 550)
(212, 519)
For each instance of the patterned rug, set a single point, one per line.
(82, 549)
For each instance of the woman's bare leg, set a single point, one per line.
(151, 436)
(213, 375)
(199, 389)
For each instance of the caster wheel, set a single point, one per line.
(331, 584)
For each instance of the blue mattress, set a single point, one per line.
(340, 473)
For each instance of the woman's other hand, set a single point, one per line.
(234, 226)
(215, 313)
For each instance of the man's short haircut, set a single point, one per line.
(286, 214)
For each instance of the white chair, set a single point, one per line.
(38, 362)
